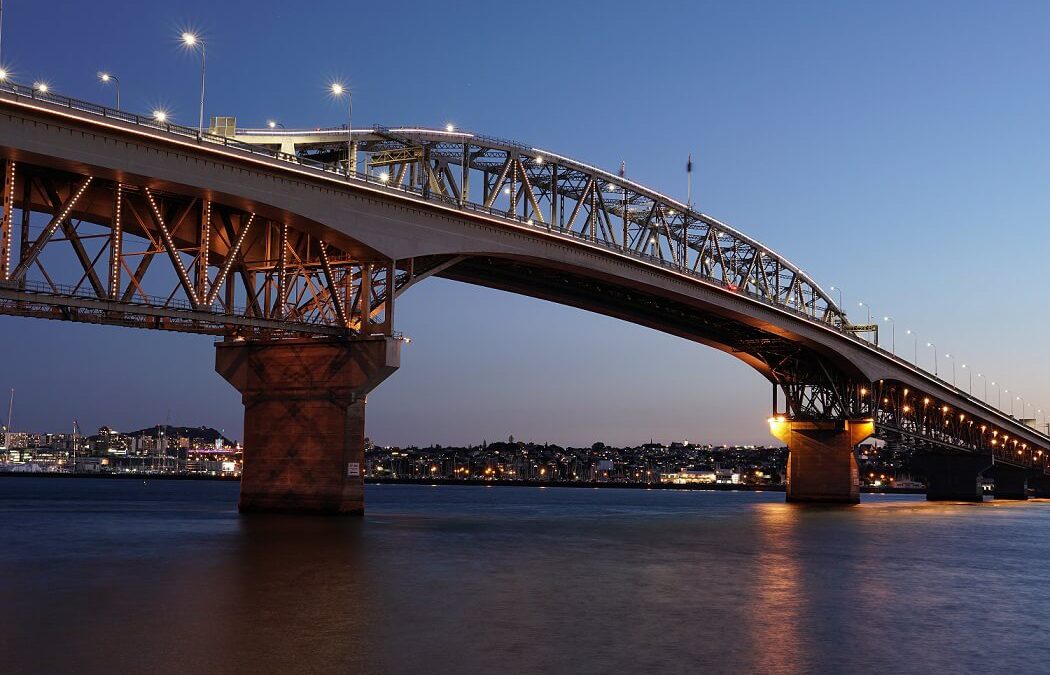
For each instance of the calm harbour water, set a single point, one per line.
(165, 577)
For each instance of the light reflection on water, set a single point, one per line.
(121, 576)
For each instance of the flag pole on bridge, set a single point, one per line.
(689, 181)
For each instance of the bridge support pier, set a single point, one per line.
(1040, 485)
(822, 464)
(953, 477)
(304, 419)
(1011, 482)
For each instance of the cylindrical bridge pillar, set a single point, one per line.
(822, 464)
(304, 419)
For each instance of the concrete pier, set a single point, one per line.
(953, 477)
(1011, 482)
(304, 419)
(822, 462)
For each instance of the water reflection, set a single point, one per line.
(170, 579)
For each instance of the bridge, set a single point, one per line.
(294, 245)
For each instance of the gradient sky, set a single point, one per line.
(898, 150)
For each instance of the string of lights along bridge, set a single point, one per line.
(293, 246)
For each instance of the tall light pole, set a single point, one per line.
(192, 41)
(893, 333)
(949, 357)
(839, 291)
(930, 344)
(865, 305)
(338, 89)
(985, 386)
(970, 371)
(915, 338)
(106, 78)
(999, 391)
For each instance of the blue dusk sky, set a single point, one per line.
(897, 150)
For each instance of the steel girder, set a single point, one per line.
(80, 248)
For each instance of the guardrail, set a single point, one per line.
(336, 170)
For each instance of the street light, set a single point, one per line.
(160, 115)
(949, 356)
(985, 386)
(893, 333)
(192, 41)
(338, 90)
(861, 304)
(915, 337)
(106, 78)
(42, 87)
(3, 75)
(999, 391)
(930, 344)
(274, 124)
(970, 371)
(839, 291)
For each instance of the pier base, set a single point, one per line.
(1040, 486)
(822, 464)
(952, 477)
(304, 419)
(1011, 482)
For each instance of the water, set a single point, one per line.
(165, 577)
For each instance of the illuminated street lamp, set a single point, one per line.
(970, 371)
(42, 87)
(3, 75)
(839, 291)
(893, 333)
(106, 78)
(985, 386)
(192, 41)
(160, 115)
(915, 338)
(338, 89)
(273, 124)
(930, 344)
(949, 357)
(999, 392)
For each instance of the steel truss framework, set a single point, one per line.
(80, 248)
(226, 271)
(561, 195)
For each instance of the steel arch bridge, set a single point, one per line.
(263, 234)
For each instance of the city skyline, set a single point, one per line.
(767, 160)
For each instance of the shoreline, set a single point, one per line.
(711, 487)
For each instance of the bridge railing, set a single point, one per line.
(339, 170)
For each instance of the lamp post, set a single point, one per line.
(949, 357)
(930, 344)
(839, 291)
(999, 391)
(106, 78)
(192, 41)
(970, 371)
(338, 90)
(274, 124)
(893, 333)
(915, 338)
(985, 386)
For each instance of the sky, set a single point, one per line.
(899, 151)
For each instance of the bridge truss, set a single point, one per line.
(81, 247)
